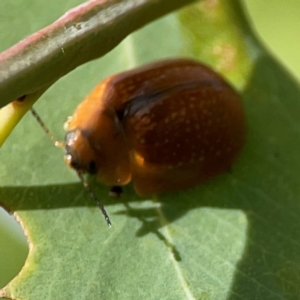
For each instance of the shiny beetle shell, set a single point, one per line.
(164, 126)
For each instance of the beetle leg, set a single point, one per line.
(115, 191)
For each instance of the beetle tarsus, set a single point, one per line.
(116, 191)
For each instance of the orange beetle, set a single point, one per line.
(164, 126)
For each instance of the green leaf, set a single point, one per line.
(84, 33)
(235, 237)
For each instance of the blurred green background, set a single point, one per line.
(277, 23)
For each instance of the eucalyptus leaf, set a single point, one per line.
(235, 237)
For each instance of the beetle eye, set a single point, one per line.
(92, 168)
(74, 164)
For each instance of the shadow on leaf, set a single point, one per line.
(264, 184)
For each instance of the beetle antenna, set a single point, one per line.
(94, 197)
(84, 182)
(45, 128)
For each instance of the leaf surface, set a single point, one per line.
(235, 237)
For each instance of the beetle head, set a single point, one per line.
(79, 153)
